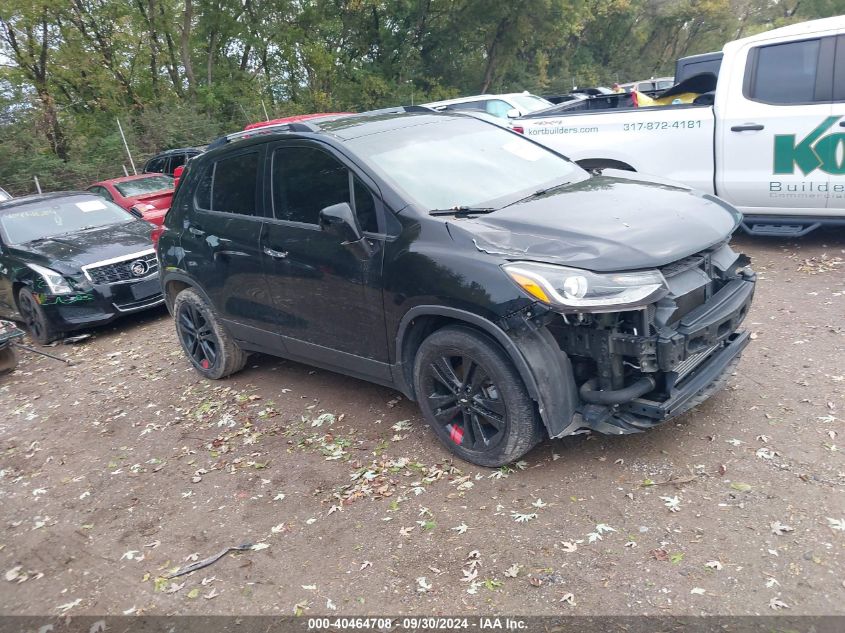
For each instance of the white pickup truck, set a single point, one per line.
(772, 143)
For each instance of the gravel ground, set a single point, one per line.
(125, 466)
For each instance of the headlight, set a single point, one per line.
(57, 284)
(585, 291)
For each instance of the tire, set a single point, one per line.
(208, 346)
(8, 359)
(39, 327)
(473, 397)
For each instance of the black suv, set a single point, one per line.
(509, 292)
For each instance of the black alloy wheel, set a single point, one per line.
(198, 339)
(34, 318)
(473, 397)
(211, 350)
(465, 402)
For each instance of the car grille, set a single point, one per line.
(692, 361)
(112, 272)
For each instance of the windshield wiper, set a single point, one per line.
(462, 210)
(540, 192)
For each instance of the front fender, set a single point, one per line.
(543, 367)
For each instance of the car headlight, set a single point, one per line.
(584, 291)
(57, 284)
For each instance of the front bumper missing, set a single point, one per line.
(686, 361)
(641, 413)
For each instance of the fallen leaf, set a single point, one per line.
(713, 564)
(259, 546)
(780, 529)
(673, 503)
(64, 608)
(777, 603)
(523, 518)
(423, 585)
(741, 487)
(698, 591)
(836, 524)
(460, 529)
(568, 546)
(569, 599)
(365, 564)
(512, 571)
(13, 573)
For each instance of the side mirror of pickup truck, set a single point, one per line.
(339, 220)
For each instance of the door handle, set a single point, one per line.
(749, 127)
(275, 254)
(842, 124)
(195, 230)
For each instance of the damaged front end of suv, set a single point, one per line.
(643, 346)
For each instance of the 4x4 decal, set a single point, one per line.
(813, 152)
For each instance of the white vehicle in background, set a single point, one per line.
(772, 143)
(649, 85)
(507, 106)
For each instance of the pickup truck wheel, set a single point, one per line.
(473, 398)
(211, 350)
(36, 321)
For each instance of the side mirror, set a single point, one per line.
(339, 220)
(513, 113)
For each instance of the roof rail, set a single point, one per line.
(307, 126)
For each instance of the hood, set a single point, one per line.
(623, 221)
(68, 253)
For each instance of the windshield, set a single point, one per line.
(132, 188)
(463, 162)
(530, 103)
(48, 218)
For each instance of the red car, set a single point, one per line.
(146, 196)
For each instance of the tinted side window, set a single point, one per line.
(202, 195)
(785, 73)
(306, 180)
(177, 160)
(235, 184)
(156, 166)
(229, 185)
(365, 208)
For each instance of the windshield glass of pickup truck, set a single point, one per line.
(464, 163)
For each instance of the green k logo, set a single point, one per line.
(813, 152)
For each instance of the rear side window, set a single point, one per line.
(230, 185)
(784, 74)
(155, 166)
(177, 160)
(306, 180)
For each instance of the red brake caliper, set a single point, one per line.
(456, 433)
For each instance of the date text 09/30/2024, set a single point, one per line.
(417, 623)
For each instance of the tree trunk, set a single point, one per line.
(187, 18)
(493, 54)
(52, 129)
(212, 48)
